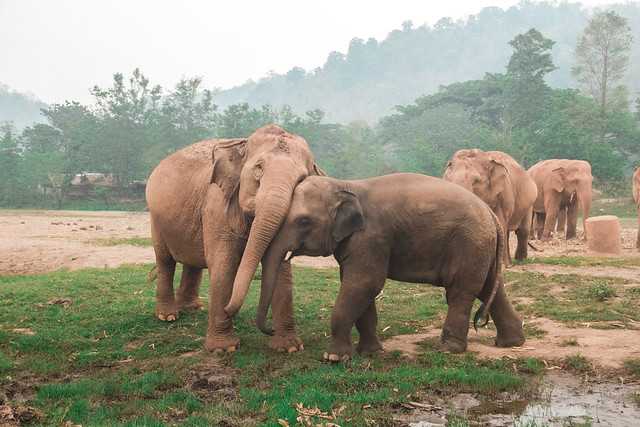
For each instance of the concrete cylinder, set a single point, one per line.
(604, 234)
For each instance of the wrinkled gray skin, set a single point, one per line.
(217, 204)
(406, 227)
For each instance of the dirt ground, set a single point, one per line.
(43, 241)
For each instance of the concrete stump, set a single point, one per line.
(603, 234)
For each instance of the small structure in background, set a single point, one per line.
(604, 234)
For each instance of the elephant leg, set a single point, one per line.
(166, 309)
(507, 321)
(187, 297)
(540, 219)
(562, 220)
(456, 325)
(284, 331)
(551, 210)
(572, 219)
(638, 239)
(366, 325)
(360, 285)
(522, 233)
(223, 259)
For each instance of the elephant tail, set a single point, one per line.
(152, 274)
(494, 278)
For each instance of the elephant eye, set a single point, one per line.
(304, 221)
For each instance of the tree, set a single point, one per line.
(602, 56)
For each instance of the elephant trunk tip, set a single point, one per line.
(231, 309)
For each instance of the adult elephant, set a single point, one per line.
(502, 184)
(217, 204)
(562, 185)
(636, 198)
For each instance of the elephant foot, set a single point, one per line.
(453, 344)
(190, 305)
(221, 343)
(286, 343)
(166, 312)
(369, 346)
(338, 353)
(515, 339)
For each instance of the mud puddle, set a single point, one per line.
(563, 401)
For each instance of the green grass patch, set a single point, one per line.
(573, 298)
(133, 241)
(582, 261)
(577, 363)
(105, 359)
(633, 367)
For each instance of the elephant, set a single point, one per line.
(502, 184)
(564, 186)
(217, 204)
(406, 227)
(636, 198)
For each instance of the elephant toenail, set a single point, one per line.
(334, 358)
(292, 350)
(162, 317)
(231, 349)
(171, 318)
(325, 356)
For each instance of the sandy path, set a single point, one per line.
(43, 241)
(620, 344)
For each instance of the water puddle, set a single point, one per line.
(564, 401)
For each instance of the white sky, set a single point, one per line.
(58, 49)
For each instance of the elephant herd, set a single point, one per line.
(228, 205)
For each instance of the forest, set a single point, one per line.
(132, 124)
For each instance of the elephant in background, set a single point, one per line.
(636, 198)
(406, 227)
(502, 184)
(563, 185)
(217, 204)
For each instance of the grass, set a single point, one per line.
(577, 363)
(633, 367)
(571, 298)
(621, 207)
(105, 360)
(115, 241)
(582, 261)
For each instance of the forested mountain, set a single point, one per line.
(20, 109)
(374, 76)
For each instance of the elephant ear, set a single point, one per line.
(348, 216)
(318, 171)
(499, 178)
(556, 180)
(228, 159)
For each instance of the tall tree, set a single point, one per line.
(602, 56)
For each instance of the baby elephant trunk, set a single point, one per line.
(494, 278)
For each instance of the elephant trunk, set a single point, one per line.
(271, 210)
(270, 270)
(584, 198)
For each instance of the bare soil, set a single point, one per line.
(44, 241)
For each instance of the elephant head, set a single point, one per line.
(323, 213)
(572, 177)
(257, 177)
(482, 173)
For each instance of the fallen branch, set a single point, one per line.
(534, 248)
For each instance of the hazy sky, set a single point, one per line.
(58, 49)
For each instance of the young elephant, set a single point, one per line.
(406, 227)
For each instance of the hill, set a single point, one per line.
(374, 76)
(21, 109)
